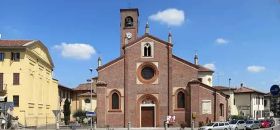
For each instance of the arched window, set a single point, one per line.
(87, 100)
(128, 21)
(181, 100)
(115, 101)
(147, 50)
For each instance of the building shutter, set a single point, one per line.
(1, 81)
(16, 79)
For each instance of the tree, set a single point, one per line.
(66, 111)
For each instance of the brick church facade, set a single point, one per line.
(147, 82)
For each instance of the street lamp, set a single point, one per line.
(91, 81)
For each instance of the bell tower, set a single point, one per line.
(129, 26)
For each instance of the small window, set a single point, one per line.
(16, 79)
(128, 21)
(234, 101)
(16, 100)
(15, 56)
(2, 56)
(221, 109)
(87, 100)
(265, 103)
(115, 101)
(180, 100)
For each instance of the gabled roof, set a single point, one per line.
(149, 36)
(223, 88)
(25, 44)
(85, 87)
(14, 43)
(243, 89)
(199, 67)
(208, 87)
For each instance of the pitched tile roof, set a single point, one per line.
(199, 67)
(13, 43)
(86, 87)
(223, 88)
(243, 89)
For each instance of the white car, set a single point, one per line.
(237, 125)
(216, 126)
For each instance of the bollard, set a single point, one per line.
(165, 125)
(129, 125)
(192, 128)
(94, 125)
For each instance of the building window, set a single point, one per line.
(115, 101)
(2, 56)
(265, 103)
(181, 100)
(147, 50)
(128, 21)
(16, 79)
(147, 72)
(1, 81)
(15, 56)
(221, 109)
(16, 100)
(87, 100)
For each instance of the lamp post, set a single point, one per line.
(90, 80)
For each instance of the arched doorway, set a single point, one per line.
(148, 111)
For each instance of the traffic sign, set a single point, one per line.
(90, 114)
(274, 90)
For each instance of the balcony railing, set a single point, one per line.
(3, 87)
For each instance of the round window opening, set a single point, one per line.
(147, 72)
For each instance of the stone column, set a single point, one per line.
(101, 103)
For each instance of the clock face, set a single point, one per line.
(128, 35)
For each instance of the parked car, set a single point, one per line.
(253, 124)
(237, 125)
(216, 126)
(265, 123)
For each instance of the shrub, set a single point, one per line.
(80, 115)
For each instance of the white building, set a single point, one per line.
(245, 101)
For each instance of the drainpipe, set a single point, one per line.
(251, 104)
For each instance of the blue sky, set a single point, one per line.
(240, 39)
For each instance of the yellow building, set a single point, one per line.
(26, 80)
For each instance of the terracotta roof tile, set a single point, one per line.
(223, 88)
(87, 94)
(13, 43)
(86, 87)
(243, 89)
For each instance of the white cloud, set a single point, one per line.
(171, 17)
(210, 66)
(221, 41)
(76, 50)
(255, 69)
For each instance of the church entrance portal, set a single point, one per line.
(148, 113)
